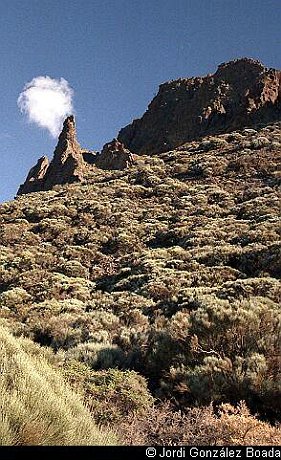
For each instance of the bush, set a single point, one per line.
(98, 355)
(227, 425)
(115, 394)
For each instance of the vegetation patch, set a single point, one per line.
(152, 285)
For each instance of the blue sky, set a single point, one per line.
(114, 54)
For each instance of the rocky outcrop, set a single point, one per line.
(114, 156)
(67, 165)
(35, 178)
(241, 93)
(70, 162)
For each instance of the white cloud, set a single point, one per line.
(47, 102)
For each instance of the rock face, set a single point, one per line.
(70, 162)
(35, 178)
(89, 156)
(114, 156)
(67, 165)
(241, 93)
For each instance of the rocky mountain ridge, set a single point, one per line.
(70, 161)
(240, 93)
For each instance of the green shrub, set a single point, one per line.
(98, 355)
(115, 394)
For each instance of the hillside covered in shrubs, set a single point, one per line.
(153, 292)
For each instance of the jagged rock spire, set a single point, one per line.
(67, 142)
(66, 166)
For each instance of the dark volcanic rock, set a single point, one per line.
(89, 156)
(35, 177)
(67, 165)
(241, 93)
(70, 162)
(114, 156)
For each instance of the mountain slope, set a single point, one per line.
(153, 278)
(170, 268)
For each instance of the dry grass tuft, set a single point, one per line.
(37, 406)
